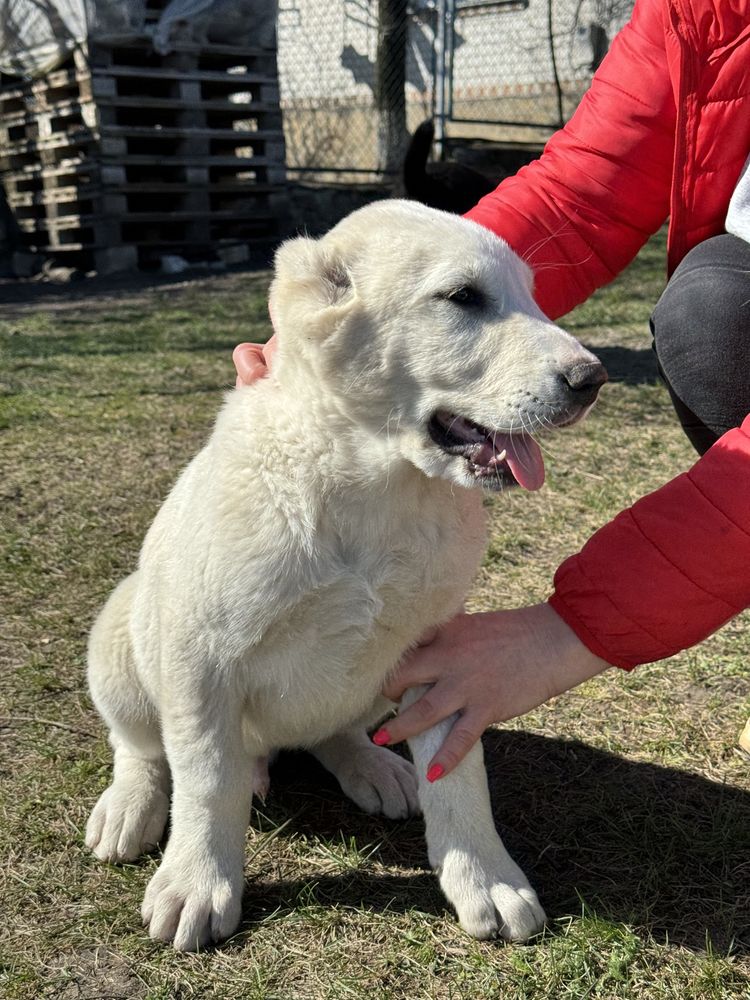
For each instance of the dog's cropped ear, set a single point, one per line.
(313, 270)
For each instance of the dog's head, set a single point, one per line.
(422, 328)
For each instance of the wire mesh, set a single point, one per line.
(527, 62)
(357, 76)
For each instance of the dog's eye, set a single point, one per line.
(465, 296)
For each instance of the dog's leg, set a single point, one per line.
(487, 888)
(376, 778)
(195, 896)
(130, 816)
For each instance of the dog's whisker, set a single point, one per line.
(536, 425)
(540, 244)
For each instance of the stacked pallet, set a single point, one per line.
(124, 156)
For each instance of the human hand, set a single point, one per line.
(487, 668)
(253, 361)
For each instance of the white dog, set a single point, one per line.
(327, 524)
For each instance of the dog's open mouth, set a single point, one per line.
(496, 458)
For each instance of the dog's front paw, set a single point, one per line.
(491, 896)
(380, 781)
(192, 904)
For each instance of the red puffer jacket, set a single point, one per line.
(663, 131)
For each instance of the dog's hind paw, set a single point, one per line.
(491, 897)
(380, 781)
(127, 821)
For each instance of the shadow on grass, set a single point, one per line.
(653, 847)
(121, 286)
(633, 366)
(132, 343)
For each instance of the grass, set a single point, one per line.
(626, 801)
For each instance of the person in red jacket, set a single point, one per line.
(663, 131)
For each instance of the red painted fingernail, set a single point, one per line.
(381, 737)
(435, 772)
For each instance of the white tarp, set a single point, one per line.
(37, 35)
(228, 22)
(174, 12)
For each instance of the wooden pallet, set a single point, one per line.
(123, 153)
(200, 81)
(44, 94)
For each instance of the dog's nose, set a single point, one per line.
(584, 380)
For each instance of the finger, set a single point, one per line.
(416, 669)
(463, 736)
(427, 637)
(434, 706)
(250, 362)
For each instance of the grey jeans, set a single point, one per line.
(701, 329)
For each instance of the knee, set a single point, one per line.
(702, 315)
(700, 327)
(686, 303)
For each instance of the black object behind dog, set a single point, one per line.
(450, 186)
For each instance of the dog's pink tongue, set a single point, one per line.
(524, 458)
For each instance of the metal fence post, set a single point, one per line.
(443, 63)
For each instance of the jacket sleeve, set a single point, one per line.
(671, 569)
(580, 213)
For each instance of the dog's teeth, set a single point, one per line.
(500, 457)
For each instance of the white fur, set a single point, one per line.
(312, 541)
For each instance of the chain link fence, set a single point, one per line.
(350, 70)
(526, 63)
(357, 76)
